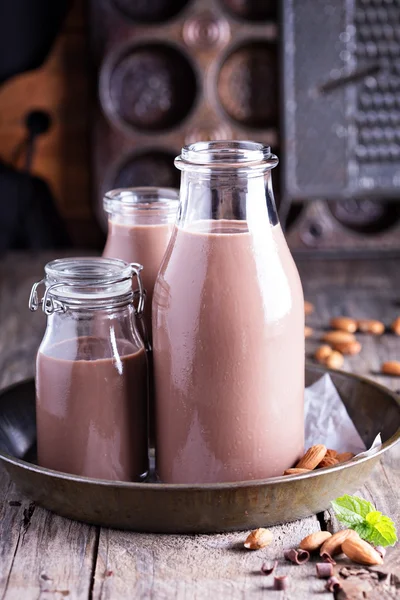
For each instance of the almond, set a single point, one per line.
(295, 471)
(333, 545)
(328, 461)
(331, 453)
(312, 457)
(344, 324)
(314, 541)
(391, 367)
(348, 347)
(335, 360)
(361, 552)
(322, 353)
(371, 326)
(345, 456)
(308, 307)
(308, 331)
(258, 538)
(336, 337)
(395, 326)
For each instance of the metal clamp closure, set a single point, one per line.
(49, 304)
(140, 293)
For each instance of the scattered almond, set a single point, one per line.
(295, 471)
(258, 538)
(314, 541)
(371, 326)
(395, 326)
(348, 347)
(312, 457)
(308, 331)
(333, 545)
(344, 456)
(344, 324)
(308, 307)
(337, 337)
(391, 367)
(322, 353)
(335, 360)
(331, 453)
(328, 461)
(361, 552)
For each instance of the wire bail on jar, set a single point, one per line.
(140, 293)
(51, 305)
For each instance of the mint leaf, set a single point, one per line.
(383, 529)
(364, 530)
(373, 517)
(370, 524)
(351, 510)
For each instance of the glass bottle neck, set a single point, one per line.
(226, 197)
(141, 206)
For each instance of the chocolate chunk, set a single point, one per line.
(298, 557)
(333, 584)
(327, 558)
(395, 581)
(280, 582)
(324, 570)
(268, 568)
(380, 571)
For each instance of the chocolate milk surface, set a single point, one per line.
(228, 343)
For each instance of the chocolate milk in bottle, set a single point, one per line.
(91, 371)
(228, 325)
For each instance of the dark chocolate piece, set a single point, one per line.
(280, 582)
(268, 568)
(324, 570)
(298, 557)
(333, 584)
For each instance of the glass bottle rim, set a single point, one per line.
(227, 156)
(146, 199)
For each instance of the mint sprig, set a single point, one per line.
(370, 524)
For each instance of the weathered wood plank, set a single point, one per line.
(42, 555)
(10, 526)
(354, 290)
(131, 565)
(201, 566)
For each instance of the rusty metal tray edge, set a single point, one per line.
(199, 508)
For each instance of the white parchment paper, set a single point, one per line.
(328, 422)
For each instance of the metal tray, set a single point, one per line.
(203, 508)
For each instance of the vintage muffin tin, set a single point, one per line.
(170, 73)
(347, 227)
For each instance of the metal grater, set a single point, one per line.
(341, 99)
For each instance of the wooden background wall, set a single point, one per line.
(62, 86)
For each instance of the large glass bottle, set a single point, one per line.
(91, 379)
(228, 325)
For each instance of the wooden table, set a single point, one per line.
(45, 556)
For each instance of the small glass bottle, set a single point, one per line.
(228, 325)
(140, 223)
(91, 370)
